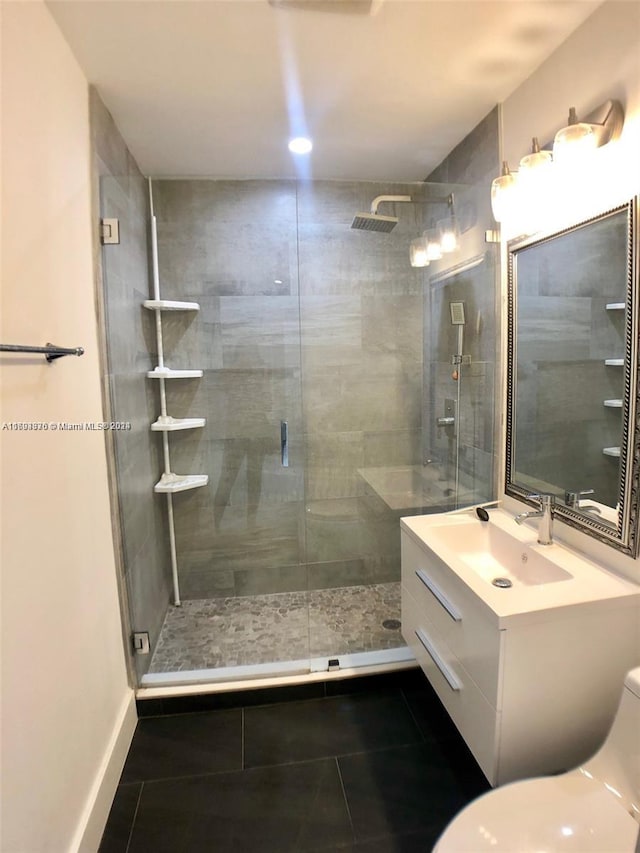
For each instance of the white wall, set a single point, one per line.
(67, 711)
(599, 61)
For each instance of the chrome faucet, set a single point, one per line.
(545, 514)
(574, 500)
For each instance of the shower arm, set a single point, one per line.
(391, 198)
(380, 199)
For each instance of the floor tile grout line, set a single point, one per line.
(374, 750)
(242, 730)
(346, 801)
(291, 763)
(412, 715)
(133, 819)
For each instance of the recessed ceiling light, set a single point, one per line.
(300, 145)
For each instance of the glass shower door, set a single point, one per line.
(239, 540)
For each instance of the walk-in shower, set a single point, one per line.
(317, 370)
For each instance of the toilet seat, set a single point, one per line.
(571, 812)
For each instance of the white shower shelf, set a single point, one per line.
(170, 424)
(614, 362)
(615, 306)
(613, 404)
(171, 483)
(611, 451)
(167, 373)
(170, 305)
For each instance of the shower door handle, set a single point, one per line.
(284, 444)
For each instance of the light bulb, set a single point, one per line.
(418, 253)
(503, 194)
(449, 234)
(300, 145)
(432, 245)
(534, 164)
(575, 142)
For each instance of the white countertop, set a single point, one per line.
(457, 540)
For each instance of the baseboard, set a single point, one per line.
(94, 818)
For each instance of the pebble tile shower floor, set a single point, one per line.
(221, 632)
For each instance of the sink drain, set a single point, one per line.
(391, 624)
(503, 583)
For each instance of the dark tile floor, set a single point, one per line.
(367, 765)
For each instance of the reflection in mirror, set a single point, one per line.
(572, 374)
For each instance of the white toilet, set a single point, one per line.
(592, 809)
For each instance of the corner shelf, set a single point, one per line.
(172, 483)
(167, 373)
(169, 424)
(615, 306)
(613, 404)
(169, 483)
(170, 305)
(611, 451)
(614, 362)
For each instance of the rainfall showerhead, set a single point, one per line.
(374, 221)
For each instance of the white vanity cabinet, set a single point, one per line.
(532, 690)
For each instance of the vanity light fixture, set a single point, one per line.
(503, 193)
(571, 146)
(580, 138)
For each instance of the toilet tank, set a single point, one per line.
(617, 762)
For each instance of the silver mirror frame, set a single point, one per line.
(626, 537)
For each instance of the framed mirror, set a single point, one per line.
(573, 407)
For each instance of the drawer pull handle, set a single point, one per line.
(444, 601)
(449, 676)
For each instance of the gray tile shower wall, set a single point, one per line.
(304, 320)
(473, 163)
(123, 275)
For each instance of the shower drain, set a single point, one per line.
(391, 624)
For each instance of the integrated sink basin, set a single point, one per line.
(532, 579)
(494, 554)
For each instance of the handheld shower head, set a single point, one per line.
(375, 221)
(458, 319)
(457, 313)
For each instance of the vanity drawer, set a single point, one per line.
(454, 613)
(476, 720)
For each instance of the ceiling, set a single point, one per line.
(385, 88)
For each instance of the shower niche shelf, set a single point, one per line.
(611, 451)
(167, 373)
(169, 424)
(170, 305)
